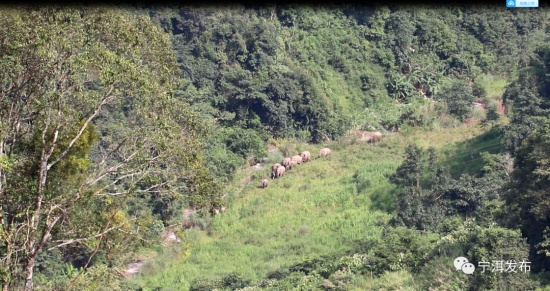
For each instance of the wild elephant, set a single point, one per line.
(291, 165)
(264, 183)
(372, 137)
(376, 136)
(363, 135)
(298, 159)
(280, 172)
(324, 152)
(286, 162)
(274, 170)
(188, 221)
(306, 156)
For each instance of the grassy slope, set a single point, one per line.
(317, 208)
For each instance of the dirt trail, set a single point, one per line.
(168, 236)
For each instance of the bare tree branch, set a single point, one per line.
(137, 191)
(110, 170)
(104, 101)
(72, 241)
(104, 159)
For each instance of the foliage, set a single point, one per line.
(491, 244)
(459, 98)
(410, 171)
(97, 277)
(525, 200)
(528, 98)
(527, 137)
(400, 248)
(90, 120)
(244, 142)
(245, 74)
(231, 281)
(159, 130)
(428, 193)
(492, 116)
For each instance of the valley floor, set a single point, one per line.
(322, 207)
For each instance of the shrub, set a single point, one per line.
(234, 281)
(400, 248)
(244, 142)
(459, 98)
(202, 284)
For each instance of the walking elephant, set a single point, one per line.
(292, 165)
(280, 171)
(286, 162)
(324, 152)
(306, 156)
(298, 159)
(376, 136)
(274, 170)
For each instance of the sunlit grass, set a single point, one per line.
(494, 86)
(400, 280)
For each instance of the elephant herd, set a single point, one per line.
(278, 170)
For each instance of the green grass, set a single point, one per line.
(319, 208)
(399, 280)
(464, 156)
(494, 86)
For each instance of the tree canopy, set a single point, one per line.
(88, 118)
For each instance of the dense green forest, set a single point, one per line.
(116, 122)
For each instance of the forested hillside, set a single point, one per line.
(313, 72)
(116, 121)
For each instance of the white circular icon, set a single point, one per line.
(458, 262)
(468, 268)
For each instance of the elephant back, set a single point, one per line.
(286, 162)
(306, 156)
(297, 158)
(280, 171)
(324, 152)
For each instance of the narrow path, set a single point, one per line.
(168, 236)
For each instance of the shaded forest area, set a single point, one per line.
(313, 72)
(114, 119)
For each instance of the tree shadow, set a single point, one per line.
(383, 199)
(465, 156)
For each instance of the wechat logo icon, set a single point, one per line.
(462, 264)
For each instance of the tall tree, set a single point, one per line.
(409, 173)
(527, 198)
(529, 99)
(64, 181)
(459, 98)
